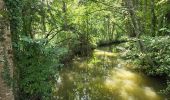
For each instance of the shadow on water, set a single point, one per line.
(104, 77)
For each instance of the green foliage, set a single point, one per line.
(165, 30)
(48, 32)
(38, 66)
(158, 48)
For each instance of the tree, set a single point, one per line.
(6, 57)
(137, 30)
(153, 17)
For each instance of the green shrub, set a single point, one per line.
(158, 48)
(38, 66)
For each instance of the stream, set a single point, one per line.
(105, 76)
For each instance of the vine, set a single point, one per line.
(6, 71)
(14, 12)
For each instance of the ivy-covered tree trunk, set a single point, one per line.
(6, 62)
(153, 17)
(137, 29)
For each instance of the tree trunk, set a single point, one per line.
(6, 62)
(65, 15)
(153, 17)
(137, 30)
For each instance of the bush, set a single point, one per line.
(38, 66)
(158, 48)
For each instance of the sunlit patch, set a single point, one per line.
(128, 85)
(125, 95)
(123, 74)
(111, 84)
(150, 93)
(106, 77)
(104, 53)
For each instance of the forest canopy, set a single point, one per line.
(38, 38)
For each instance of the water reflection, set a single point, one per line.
(129, 86)
(103, 77)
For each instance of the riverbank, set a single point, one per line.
(105, 76)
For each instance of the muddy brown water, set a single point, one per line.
(105, 76)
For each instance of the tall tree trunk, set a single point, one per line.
(6, 62)
(137, 30)
(145, 15)
(153, 17)
(65, 15)
(43, 17)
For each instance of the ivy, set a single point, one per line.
(6, 71)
